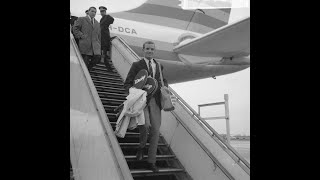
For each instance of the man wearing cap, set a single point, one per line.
(105, 21)
(87, 29)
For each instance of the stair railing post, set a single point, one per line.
(226, 105)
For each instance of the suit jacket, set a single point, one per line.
(105, 22)
(135, 68)
(89, 36)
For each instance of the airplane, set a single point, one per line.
(191, 44)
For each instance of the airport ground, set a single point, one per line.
(243, 148)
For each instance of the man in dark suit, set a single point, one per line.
(105, 22)
(87, 29)
(153, 109)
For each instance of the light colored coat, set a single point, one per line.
(132, 114)
(89, 36)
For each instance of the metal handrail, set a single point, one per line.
(128, 47)
(211, 156)
(213, 133)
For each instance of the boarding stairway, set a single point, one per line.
(189, 148)
(109, 86)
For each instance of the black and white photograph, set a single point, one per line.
(160, 90)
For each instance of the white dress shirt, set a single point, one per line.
(91, 19)
(153, 64)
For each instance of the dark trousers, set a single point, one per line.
(91, 60)
(77, 41)
(152, 114)
(106, 58)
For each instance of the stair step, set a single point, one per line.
(112, 94)
(111, 114)
(132, 133)
(109, 108)
(112, 118)
(105, 93)
(159, 177)
(130, 145)
(107, 82)
(146, 172)
(112, 101)
(105, 73)
(94, 79)
(99, 80)
(161, 163)
(136, 130)
(159, 157)
(110, 89)
(102, 66)
(106, 78)
(110, 75)
(133, 137)
(101, 83)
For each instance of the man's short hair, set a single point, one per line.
(87, 11)
(93, 8)
(148, 42)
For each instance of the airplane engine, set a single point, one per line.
(185, 37)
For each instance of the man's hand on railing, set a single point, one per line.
(173, 99)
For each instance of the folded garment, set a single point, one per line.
(132, 114)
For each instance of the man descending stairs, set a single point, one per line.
(111, 92)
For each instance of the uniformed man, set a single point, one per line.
(105, 21)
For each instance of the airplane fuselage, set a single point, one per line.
(175, 70)
(163, 22)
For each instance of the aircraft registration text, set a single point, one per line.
(122, 29)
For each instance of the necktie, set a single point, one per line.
(150, 69)
(92, 21)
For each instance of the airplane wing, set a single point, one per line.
(232, 40)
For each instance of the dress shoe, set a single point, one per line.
(139, 155)
(152, 167)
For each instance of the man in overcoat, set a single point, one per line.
(87, 29)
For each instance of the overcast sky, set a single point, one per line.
(236, 85)
(209, 90)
